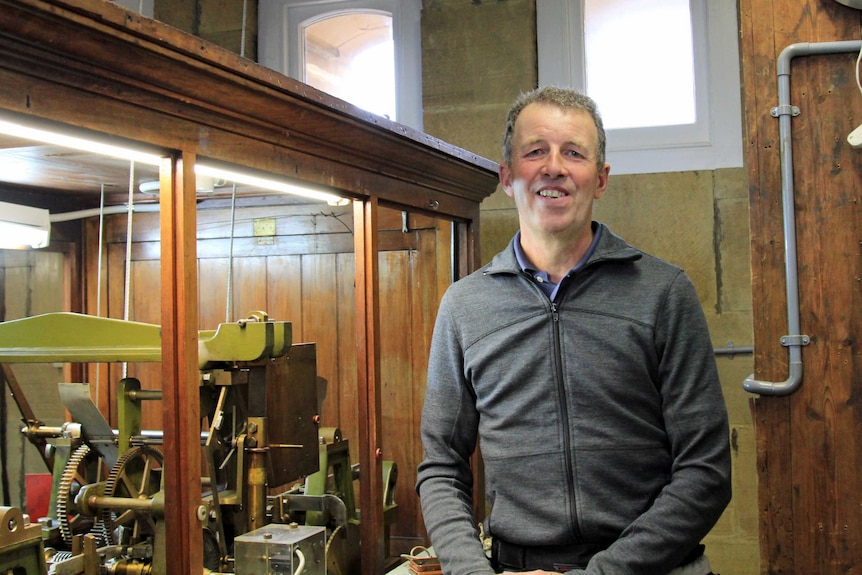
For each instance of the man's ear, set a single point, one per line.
(602, 186)
(506, 179)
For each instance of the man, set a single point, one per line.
(585, 367)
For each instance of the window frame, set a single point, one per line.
(280, 43)
(714, 141)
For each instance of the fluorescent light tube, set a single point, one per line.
(74, 142)
(269, 184)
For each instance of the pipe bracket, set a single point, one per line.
(795, 340)
(784, 110)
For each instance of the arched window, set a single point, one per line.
(366, 52)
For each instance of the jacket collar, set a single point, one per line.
(611, 247)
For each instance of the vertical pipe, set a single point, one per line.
(257, 457)
(794, 340)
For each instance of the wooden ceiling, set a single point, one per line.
(54, 169)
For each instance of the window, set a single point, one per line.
(665, 74)
(366, 52)
(360, 67)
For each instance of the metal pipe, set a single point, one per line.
(794, 340)
(144, 394)
(256, 473)
(732, 350)
(156, 437)
(89, 213)
(108, 502)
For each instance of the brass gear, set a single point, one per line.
(137, 474)
(77, 472)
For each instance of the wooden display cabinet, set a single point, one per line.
(362, 281)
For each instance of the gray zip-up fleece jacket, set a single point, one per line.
(601, 415)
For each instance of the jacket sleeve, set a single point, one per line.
(696, 422)
(449, 434)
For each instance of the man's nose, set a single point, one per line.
(554, 164)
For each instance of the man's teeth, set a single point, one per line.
(551, 194)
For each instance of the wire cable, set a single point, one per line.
(99, 274)
(301, 567)
(128, 279)
(858, 61)
(227, 314)
(242, 28)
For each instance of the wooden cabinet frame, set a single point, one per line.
(90, 64)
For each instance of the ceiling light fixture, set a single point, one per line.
(203, 185)
(269, 184)
(23, 227)
(57, 138)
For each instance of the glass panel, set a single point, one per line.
(352, 57)
(640, 61)
(31, 282)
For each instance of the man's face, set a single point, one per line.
(553, 176)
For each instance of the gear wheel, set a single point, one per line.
(136, 475)
(83, 467)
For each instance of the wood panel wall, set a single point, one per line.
(809, 444)
(305, 275)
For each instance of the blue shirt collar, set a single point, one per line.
(527, 266)
(541, 277)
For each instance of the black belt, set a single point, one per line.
(511, 557)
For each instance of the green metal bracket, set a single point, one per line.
(64, 336)
(73, 337)
(21, 542)
(129, 412)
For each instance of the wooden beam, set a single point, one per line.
(298, 132)
(180, 378)
(368, 377)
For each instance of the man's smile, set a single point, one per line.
(552, 193)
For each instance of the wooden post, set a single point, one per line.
(368, 379)
(808, 444)
(182, 457)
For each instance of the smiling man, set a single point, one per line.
(585, 369)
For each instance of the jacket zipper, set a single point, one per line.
(564, 408)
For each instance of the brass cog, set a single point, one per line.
(136, 475)
(83, 467)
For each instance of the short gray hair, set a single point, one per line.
(563, 98)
